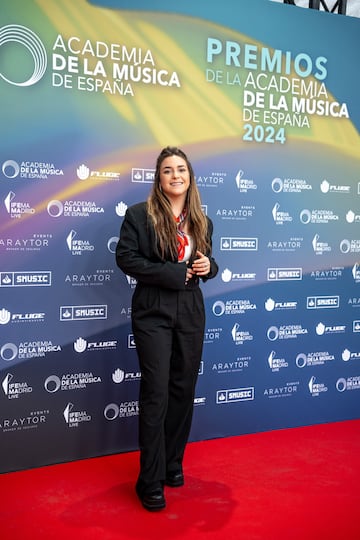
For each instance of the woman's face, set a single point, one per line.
(174, 177)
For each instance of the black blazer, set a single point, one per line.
(137, 254)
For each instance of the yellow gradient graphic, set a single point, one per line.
(198, 111)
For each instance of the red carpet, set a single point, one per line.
(296, 484)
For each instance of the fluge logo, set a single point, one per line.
(15, 33)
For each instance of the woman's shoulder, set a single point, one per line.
(138, 209)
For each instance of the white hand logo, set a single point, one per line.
(324, 186)
(226, 275)
(120, 209)
(80, 345)
(4, 316)
(320, 329)
(118, 376)
(269, 304)
(83, 172)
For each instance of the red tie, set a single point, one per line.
(182, 240)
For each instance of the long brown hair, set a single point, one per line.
(160, 211)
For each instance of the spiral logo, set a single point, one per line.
(112, 243)
(345, 246)
(52, 384)
(273, 333)
(277, 185)
(111, 411)
(8, 352)
(218, 308)
(28, 39)
(341, 385)
(301, 360)
(10, 168)
(305, 216)
(55, 208)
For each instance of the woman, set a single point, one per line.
(165, 244)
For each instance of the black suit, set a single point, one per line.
(168, 320)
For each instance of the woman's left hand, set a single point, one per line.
(201, 265)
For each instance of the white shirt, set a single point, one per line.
(188, 248)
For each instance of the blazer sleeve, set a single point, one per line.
(136, 253)
(213, 264)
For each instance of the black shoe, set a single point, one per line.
(175, 479)
(153, 500)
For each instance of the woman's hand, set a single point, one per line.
(201, 265)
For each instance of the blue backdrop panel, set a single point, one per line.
(267, 110)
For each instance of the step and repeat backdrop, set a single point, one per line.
(265, 101)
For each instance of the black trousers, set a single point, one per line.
(168, 329)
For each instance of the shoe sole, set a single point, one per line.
(153, 508)
(177, 483)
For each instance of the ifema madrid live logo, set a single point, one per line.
(30, 41)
